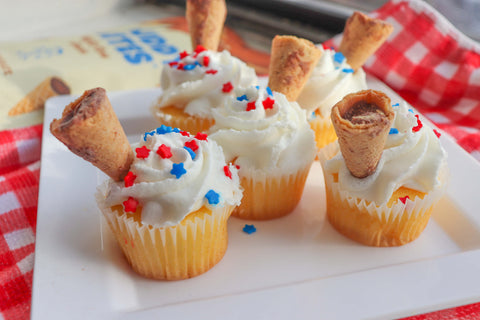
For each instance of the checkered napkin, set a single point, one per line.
(426, 60)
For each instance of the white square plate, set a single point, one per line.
(294, 267)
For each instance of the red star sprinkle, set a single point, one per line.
(129, 179)
(206, 61)
(438, 134)
(183, 54)
(185, 133)
(199, 48)
(268, 103)
(142, 152)
(173, 63)
(227, 87)
(201, 136)
(211, 71)
(164, 152)
(325, 47)
(419, 124)
(192, 144)
(227, 171)
(404, 199)
(237, 166)
(130, 205)
(180, 66)
(251, 106)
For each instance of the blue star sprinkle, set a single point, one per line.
(151, 133)
(348, 70)
(393, 131)
(249, 228)
(242, 98)
(164, 129)
(176, 130)
(178, 170)
(338, 57)
(212, 197)
(192, 154)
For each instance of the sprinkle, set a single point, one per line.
(338, 57)
(183, 54)
(237, 166)
(212, 197)
(257, 87)
(164, 152)
(419, 124)
(189, 67)
(410, 110)
(176, 130)
(227, 171)
(190, 151)
(268, 103)
(396, 105)
(178, 170)
(393, 131)
(211, 71)
(206, 61)
(269, 91)
(172, 63)
(242, 98)
(348, 70)
(192, 144)
(151, 133)
(227, 87)
(180, 66)
(129, 179)
(201, 136)
(251, 105)
(199, 48)
(130, 205)
(438, 134)
(185, 133)
(142, 152)
(249, 228)
(404, 199)
(164, 129)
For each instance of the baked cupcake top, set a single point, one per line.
(262, 131)
(412, 157)
(331, 79)
(174, 174)
(200, 80)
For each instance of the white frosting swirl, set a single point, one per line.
(412, 158)
(273, 136)
(197, 85)
(166, 199)
(331, 80)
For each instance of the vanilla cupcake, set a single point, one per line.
(168, 203)
(270, 141)
(385, 173)
(194, 83)
(339, 73)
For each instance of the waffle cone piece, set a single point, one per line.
(362, 121)
(291, 63)
(362, 36)
(205, 20)
(90, 128)
(35, 99)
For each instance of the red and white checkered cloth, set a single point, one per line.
(427, 61)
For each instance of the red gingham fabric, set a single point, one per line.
(427, 61)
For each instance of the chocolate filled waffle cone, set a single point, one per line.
(35, 99)
(205, 20)
(362, 36)
(90, 128)
(291, 63)
(362, 121)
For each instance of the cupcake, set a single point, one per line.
(339, 73)
(384, 174)
(195, 82)
(168, 205)
(270, 141)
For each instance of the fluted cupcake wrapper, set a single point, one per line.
(171, 253)
(324, 131)
(377, 225)
(176, 118)
(269, 197)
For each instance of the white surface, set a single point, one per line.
(294, 267)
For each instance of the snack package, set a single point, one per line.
(124, 58)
